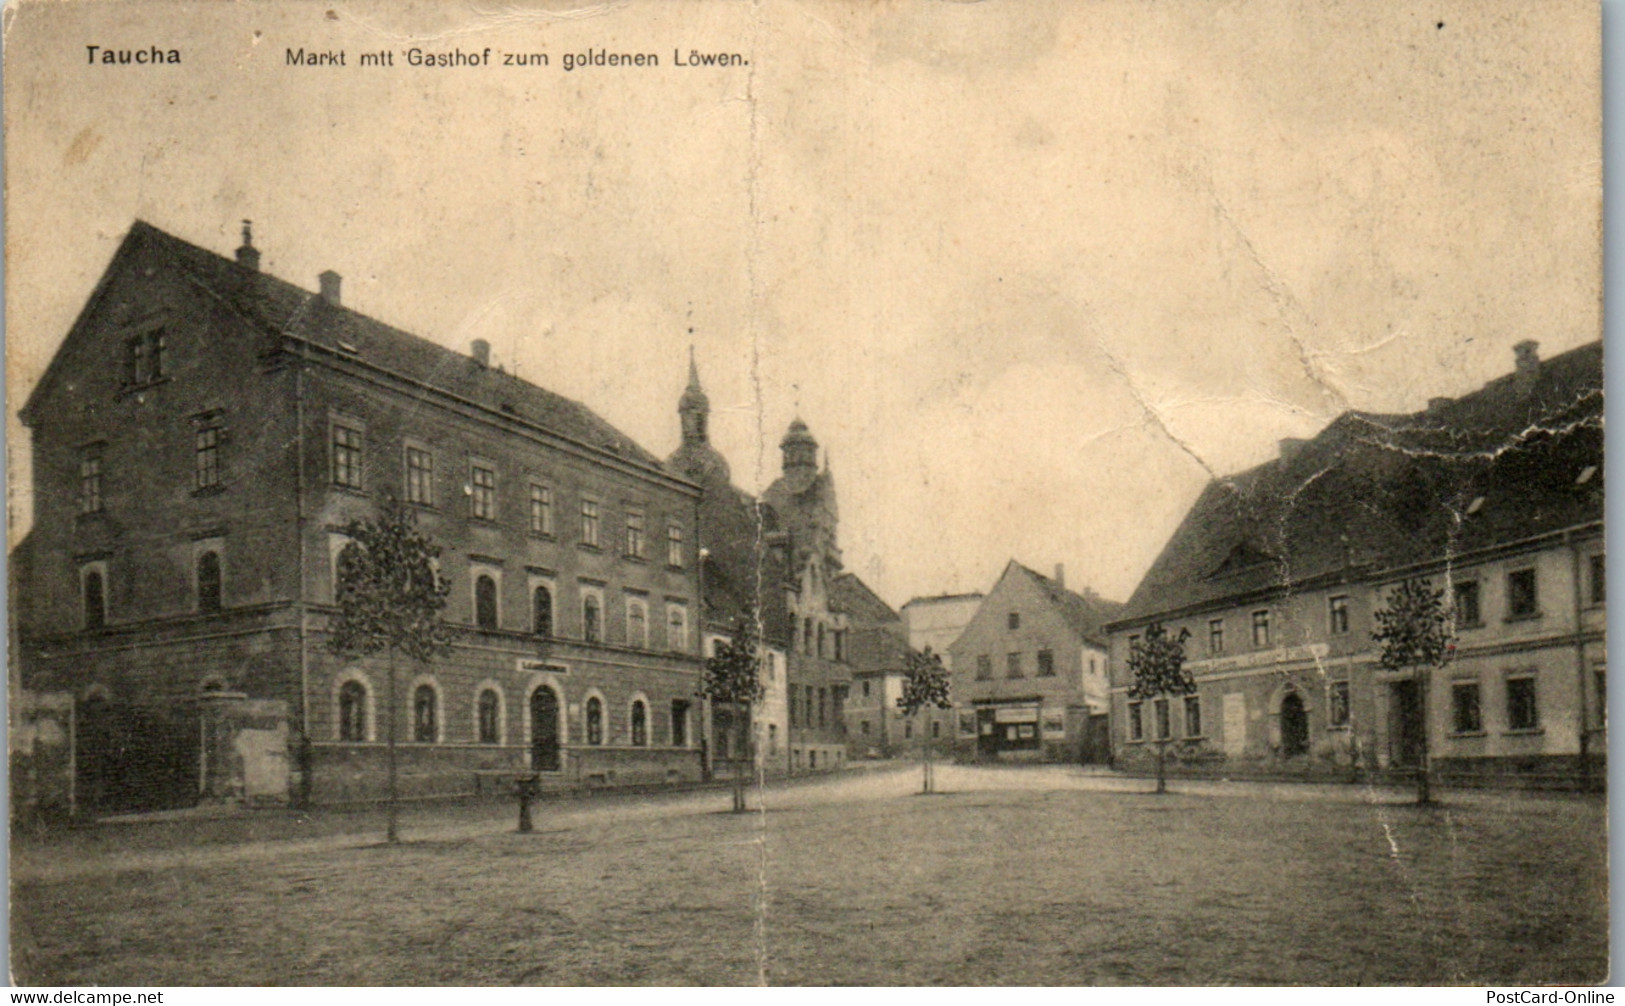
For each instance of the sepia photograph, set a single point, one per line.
(805, 493)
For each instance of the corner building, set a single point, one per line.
(200, 441)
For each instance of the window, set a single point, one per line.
(936, 729)
(541, 611)
(1467, 611)
(1193, 716)
(595, 721)
(984, 668)
(208, 582)
(1133, 645)
(1599, 680)
(1046, 663)
(1522, 712)
(908, 730)
(679, 723)
(419, 476)
(806, 635)
(1599, 579)
(1523, 599)
(353, 712)
(589, 523)
(90, 480)
(95, 598)
(674, 546)
(490, 717)
(637, 623)
(541, 510)
(863, 727)
(640, 724)
(823, 706)
(425, 718)
(1215, 637)
(1261, 629)
(821, 640)
(206, 470)
(1337, 704)
(590, 612)
(485, 601)
(838, 637)
(482, 497)
(864, 686)
(1015, 620)
(1012, 665)
(144, 357)
(1337, 610)
(1136, 725)
(347, 451)
(1164, 730)
(636, 547)
(1466, 716)
(677, 628)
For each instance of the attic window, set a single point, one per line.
(1476, 505)
(1585, 475)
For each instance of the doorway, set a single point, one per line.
(544, 730)
(1294, 726)
(1405, 723)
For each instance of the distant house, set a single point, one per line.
(1495, 498)
(936, 621)
(878, 650)
(1029, 671)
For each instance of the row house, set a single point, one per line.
(1495, 499)
(1029, 676)
(202, 440)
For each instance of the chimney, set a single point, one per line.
(1527, 356)
(248, 256)
(1060, 574)
(1291, 447)
(481, 351)
(330, 281)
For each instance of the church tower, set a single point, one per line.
(694, 407)
(695, 458)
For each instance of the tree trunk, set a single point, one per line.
(1162, 780)
(925, 763)
(1424, 790)
(393, 833)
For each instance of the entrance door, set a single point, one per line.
(544, 731)
(987, 733)
(1405, 723)
(1294, 726)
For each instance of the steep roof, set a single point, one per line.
(281, 308)
(1086, 614)
(1380, 491)
(850, 594)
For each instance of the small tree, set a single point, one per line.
(732, 678)
(389, 596)
(925, 685)
(1158, 665)
(1414, 634)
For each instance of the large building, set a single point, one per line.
(1029, 671)
(775, 559)
(201, 440)
(1495, 499)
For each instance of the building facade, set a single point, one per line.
(936, 622)
(1494, 499)
(201, 441)
(1029, 672)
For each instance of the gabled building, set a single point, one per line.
(200, 441)
(1029, 671)
(1495, 498)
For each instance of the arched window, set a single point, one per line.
(820, 639)
(425, 725)
(95, 601)
(637, 624)
(485, 602)
(640, 724)
(208, 582)
(676, 629)
(595, 721)
(542, 611)
(590, 618)
(353, 712)
(490, 712)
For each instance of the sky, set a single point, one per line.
(1032, 273)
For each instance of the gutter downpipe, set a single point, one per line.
(1583, 713)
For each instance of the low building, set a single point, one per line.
(1029, 675)
(935, 622)
(1495, 499)
(879, 651)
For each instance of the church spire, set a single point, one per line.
(694, 408)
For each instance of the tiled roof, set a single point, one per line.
(1086, 614)
(282, 308)
(1382, 491)
(850, 594)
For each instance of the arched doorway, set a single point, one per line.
(1294, 726)
(544, 730)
